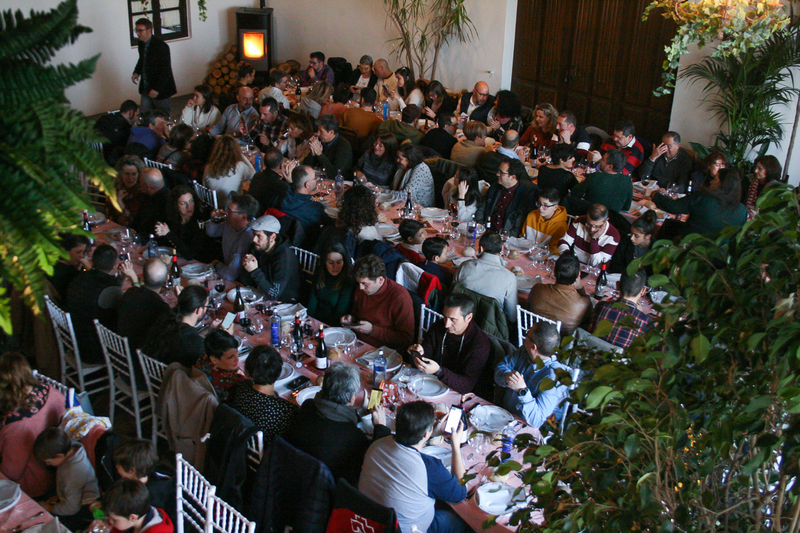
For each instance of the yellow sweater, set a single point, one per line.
(546, 231)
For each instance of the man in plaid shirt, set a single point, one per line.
(629, 321)
(266, 132)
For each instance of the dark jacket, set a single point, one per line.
(373, 79)
(117, 129)
(336, 155)
(155, 69)
(480, 113)
(291, 488)
(278, 272)
(84, 303)
(310, 213)
(439, 140)
(269, 188)
(706, 213)
(489, 163)
(522, 203)
(190, 242)
(139, 309)
(154, 209)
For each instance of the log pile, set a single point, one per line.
(224, 72)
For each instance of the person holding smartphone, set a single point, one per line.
(455, 349)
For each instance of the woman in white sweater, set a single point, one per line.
(227, 168)
(466, 192)
(200, 112)
(406, 92)
(413, 175)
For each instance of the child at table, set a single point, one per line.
(128, 507)
(435, 251)
(137, 460)
(76, 483)
(412, 234)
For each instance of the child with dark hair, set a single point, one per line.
(76, 482)
(412, 233)
(128, 507)
(137, 460)
(435, 251)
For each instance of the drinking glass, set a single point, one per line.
(258, 325)
(504, 238)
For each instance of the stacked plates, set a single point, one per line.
(433, 212)
(387, 231)
(339, 337)
(287, 311)
(249, 295)
(196, 270)
(489, 418)
(10, 493)
(393, 359)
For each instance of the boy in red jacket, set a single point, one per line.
(127, 505)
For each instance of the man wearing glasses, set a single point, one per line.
(476, 105)
(591, 238)
(236, 235)
(548, 224)
(508, 202)
(153, 71)
(317, 71)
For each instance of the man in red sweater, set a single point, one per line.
(383, 312)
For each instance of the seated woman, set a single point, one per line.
(199, 154)
(712, 164)
(129, 168)
(332, 293)
(255, 398)
(710, 209)
(200, 112)
(27, 407)
(356, 222)
(413, 175)
(767, 172)
(175, 152)
(77, 247)
(227, 168)
(311, 104)
(340, 97)
(466, 192)
(299, 131)
(438, 101)
(542, 132)
(406, 93)
(505, 115)
(556, 175)
(379, 164)
(643, 231)
(362, 77)
(181, 231)
(221, 362)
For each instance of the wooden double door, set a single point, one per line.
(596, 58)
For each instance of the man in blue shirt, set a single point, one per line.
(521, 374)
(299, 203)
(396, 474)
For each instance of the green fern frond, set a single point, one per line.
(37, 38)
(40, 82)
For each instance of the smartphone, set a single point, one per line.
(453, 418)
(349, 324)
(228, 321)
(297, 382)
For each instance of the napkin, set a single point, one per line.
(458, 262)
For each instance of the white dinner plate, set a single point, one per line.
(387, 230)
(443, 453)
(489, 418)
(247, 292)
(332, 212)
(433, 212)
(95, 219)
(287, 311)
(339, 336)
(393, 359)
(430, 386)
(386, 197)
(525, 283)
(498, 498)
(163, 250)
(307, 394)
(10, 493)
(196, 270)
(518, 243)
(286, 371)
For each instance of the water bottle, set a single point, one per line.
(257, 164)
(378, 370)
(472, 231)
(507, 440)
(385, 111)
(152, 247)
(275, 330)
(338, 186)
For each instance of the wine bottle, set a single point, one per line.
(175, 269)
(86, 226)
(322, 350)
(602, 282)
(238, 305)
(297, 335)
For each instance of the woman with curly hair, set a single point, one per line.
(181, 231)
(311, 104)
(332, 293)
(542, 131)
(356, 222)
(227, 168)
(379, 164)
(299, 131)
(27, 407)
(129, 168)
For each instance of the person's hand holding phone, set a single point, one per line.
(429, 366)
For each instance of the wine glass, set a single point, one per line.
(504, 238)
(257, 326)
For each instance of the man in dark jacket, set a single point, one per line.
(270, 186)
(155, 203)
(326, 427)
(330, 151)
(116, 127)
(153, 71)
(508, 202)
(477, 104)
(272, 266)
(299, 204)
(141, 306)
(443, 138)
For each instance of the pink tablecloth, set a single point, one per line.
(22, 511)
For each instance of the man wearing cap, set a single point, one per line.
(271, 265)
(405, 128)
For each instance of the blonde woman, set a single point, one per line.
(227, 168)
(317, 97)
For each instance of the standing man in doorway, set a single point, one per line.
(153, 71)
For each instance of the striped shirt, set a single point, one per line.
(588, 250)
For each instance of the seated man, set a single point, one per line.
(298, 202)
(278, 82)
(267, 129)
(629, 321)
(569, 133)
(486, 275)
(591, 238)
(236, 235)
(624, 139)
(669, 164)
(235, 114)
(142, 305)
(469, 149)
(116, 127)
(406, 127)
(383, 309)
(271, 266)
(508, 201)
(477, 104)
(385, 78)
(150, 136)
(329, 150)
(443, 138)
(396, 474)
(608, 186)
(327, 427)
(154, 201)
(270, 186)
(489, 163)
(564, 300)
(521, 374)
(317, 70)
(455, 349)
(362, 119)
(548, 224)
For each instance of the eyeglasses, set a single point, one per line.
(501, 173)
(229, 210)
(596, 226)
(547, 206)
(482, 94)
